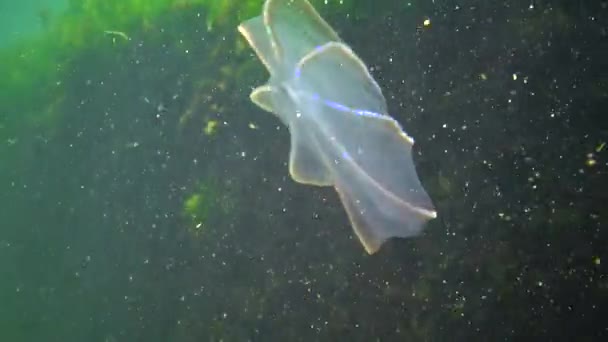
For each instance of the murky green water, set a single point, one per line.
(144, 198)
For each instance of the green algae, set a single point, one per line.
(198, 206)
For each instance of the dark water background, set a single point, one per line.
(94, 245)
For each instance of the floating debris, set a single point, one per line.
(117, 34)
(211, 127)
(590, 160)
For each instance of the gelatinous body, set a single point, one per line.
(341, 134)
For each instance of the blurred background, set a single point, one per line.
(143, 197)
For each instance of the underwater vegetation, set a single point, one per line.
(37, 65)
(196, 209)
(208, 203)
(145, 198)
